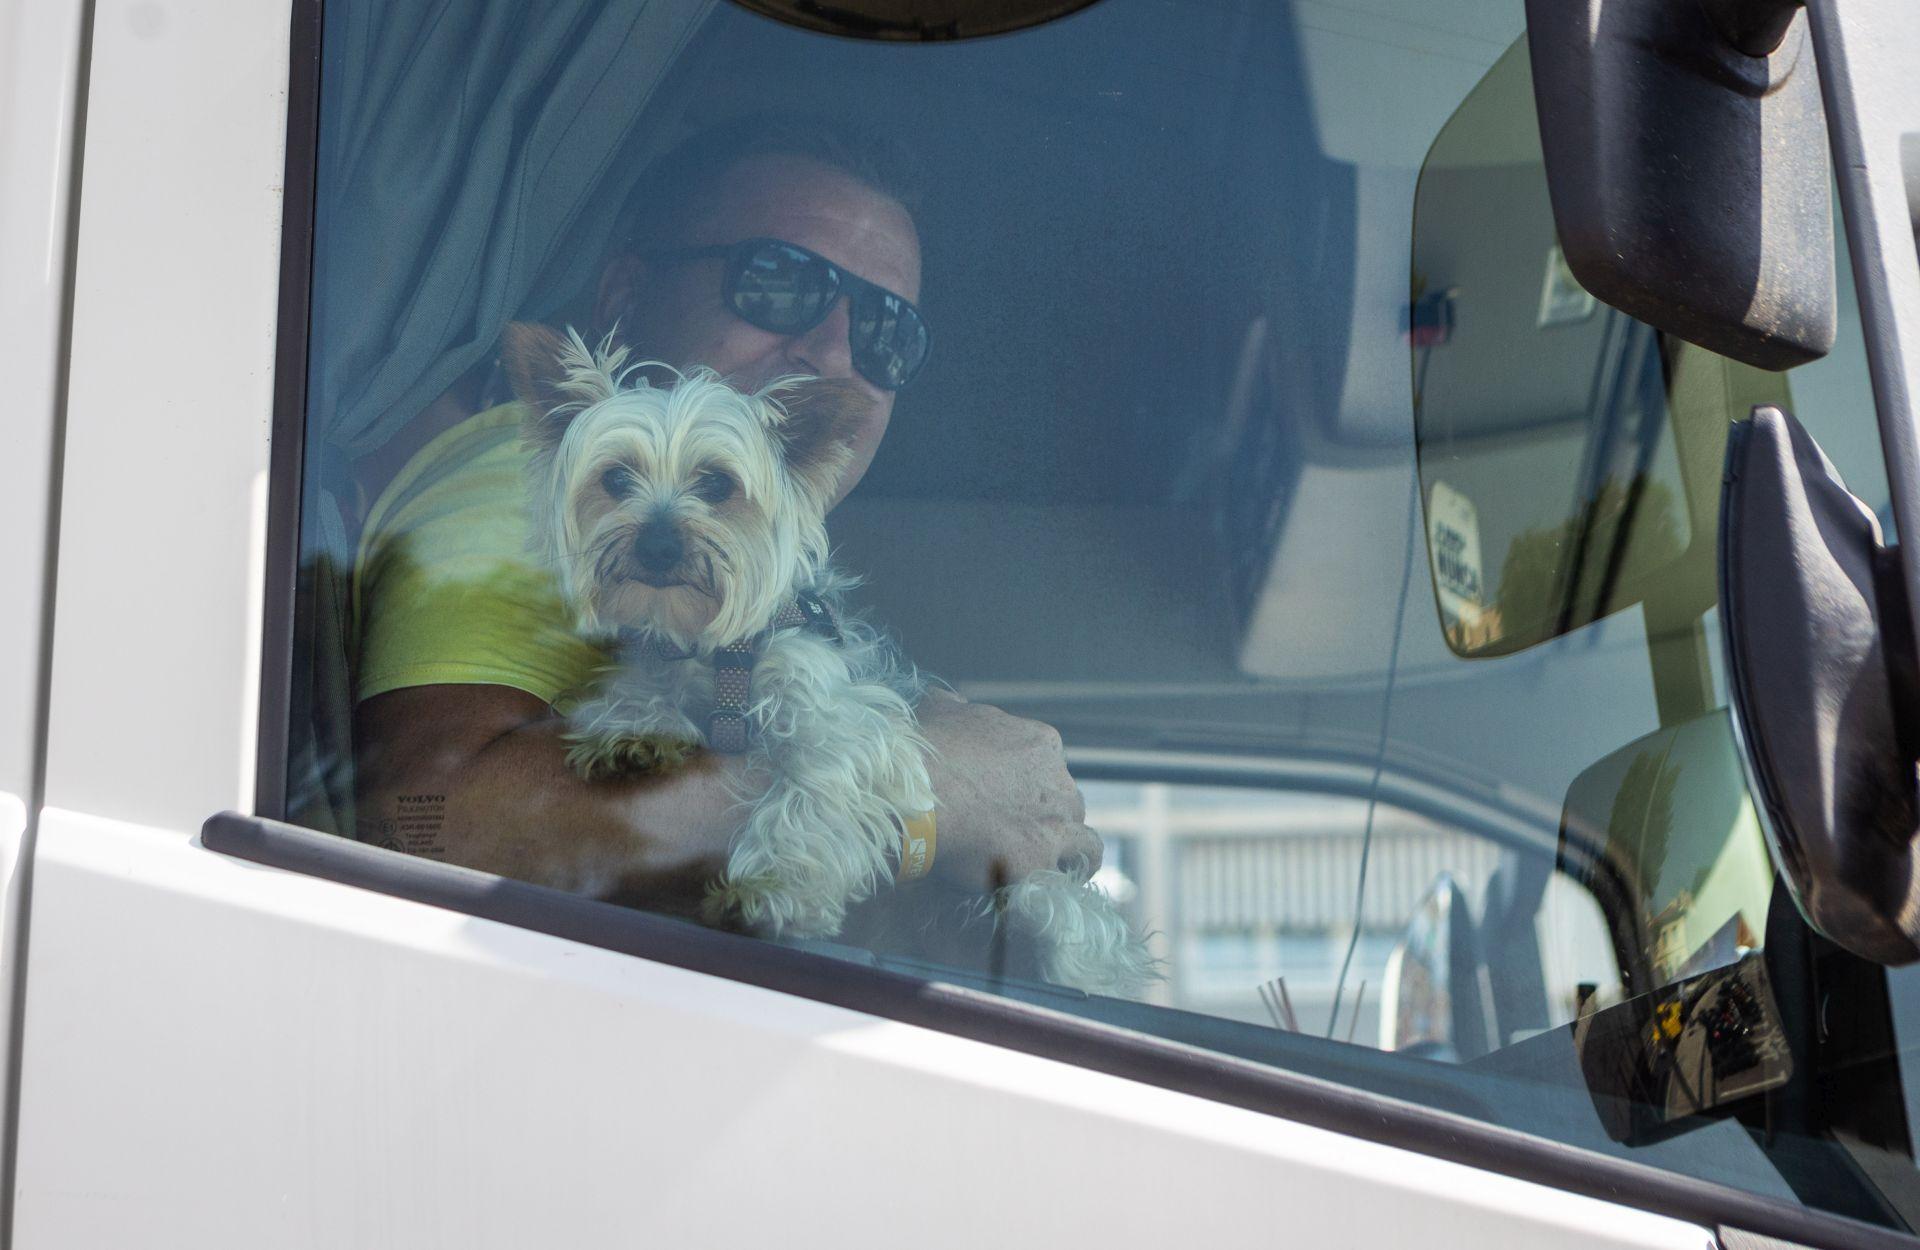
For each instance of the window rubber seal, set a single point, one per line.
(1035, 1030)
(286, 464)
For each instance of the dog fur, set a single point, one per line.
(680, 519)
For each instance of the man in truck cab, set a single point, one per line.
(464, 647)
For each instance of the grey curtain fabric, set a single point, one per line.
(472, 158)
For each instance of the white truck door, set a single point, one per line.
(309, 1041)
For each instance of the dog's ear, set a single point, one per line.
(818, 420)
(540, 363)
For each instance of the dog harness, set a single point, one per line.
(728, 729)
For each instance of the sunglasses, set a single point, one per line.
(785, 289)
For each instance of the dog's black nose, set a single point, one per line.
(657, 547)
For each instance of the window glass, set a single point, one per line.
(1195, 421)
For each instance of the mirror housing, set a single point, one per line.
(1816, 625)
(1431, 1004)
(1690, 180)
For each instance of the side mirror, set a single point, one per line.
(1686, 152)
(1431, 1004)
(1654, 1062)
(1587, 482)
(1664, 835)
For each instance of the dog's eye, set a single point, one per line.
(713, 486)
(619, 481)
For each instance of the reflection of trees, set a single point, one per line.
(1640, 832)
(1641, 822)
(1562, 576)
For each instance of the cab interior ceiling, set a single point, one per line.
(1098, 225)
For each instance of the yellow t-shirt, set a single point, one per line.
(444, 588)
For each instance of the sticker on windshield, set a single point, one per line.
(1453, 543)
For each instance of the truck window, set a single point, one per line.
(727, 445)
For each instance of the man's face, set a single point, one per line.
(672, 310)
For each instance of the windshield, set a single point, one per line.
(1205, 387)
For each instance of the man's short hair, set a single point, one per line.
(692, 169)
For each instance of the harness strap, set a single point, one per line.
(728, 729)
(732, 684)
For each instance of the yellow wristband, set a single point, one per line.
(916, 847)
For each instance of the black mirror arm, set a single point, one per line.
(1866, 51)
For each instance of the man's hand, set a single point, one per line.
(1007, 804)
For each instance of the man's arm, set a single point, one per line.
(511, 806)
(495, 759)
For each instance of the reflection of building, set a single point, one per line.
(1667, 947)
(1242, 886)
(1473, 630)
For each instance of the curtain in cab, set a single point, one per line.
(494, 144)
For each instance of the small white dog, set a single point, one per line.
(689, 522)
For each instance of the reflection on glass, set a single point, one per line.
(1249, 890)
(1666, 830)
(1431, 991)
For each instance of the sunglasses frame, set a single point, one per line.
(842, 282)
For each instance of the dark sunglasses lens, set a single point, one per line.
(782, 289)
(889, 340)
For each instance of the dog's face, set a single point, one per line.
(687, 510)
